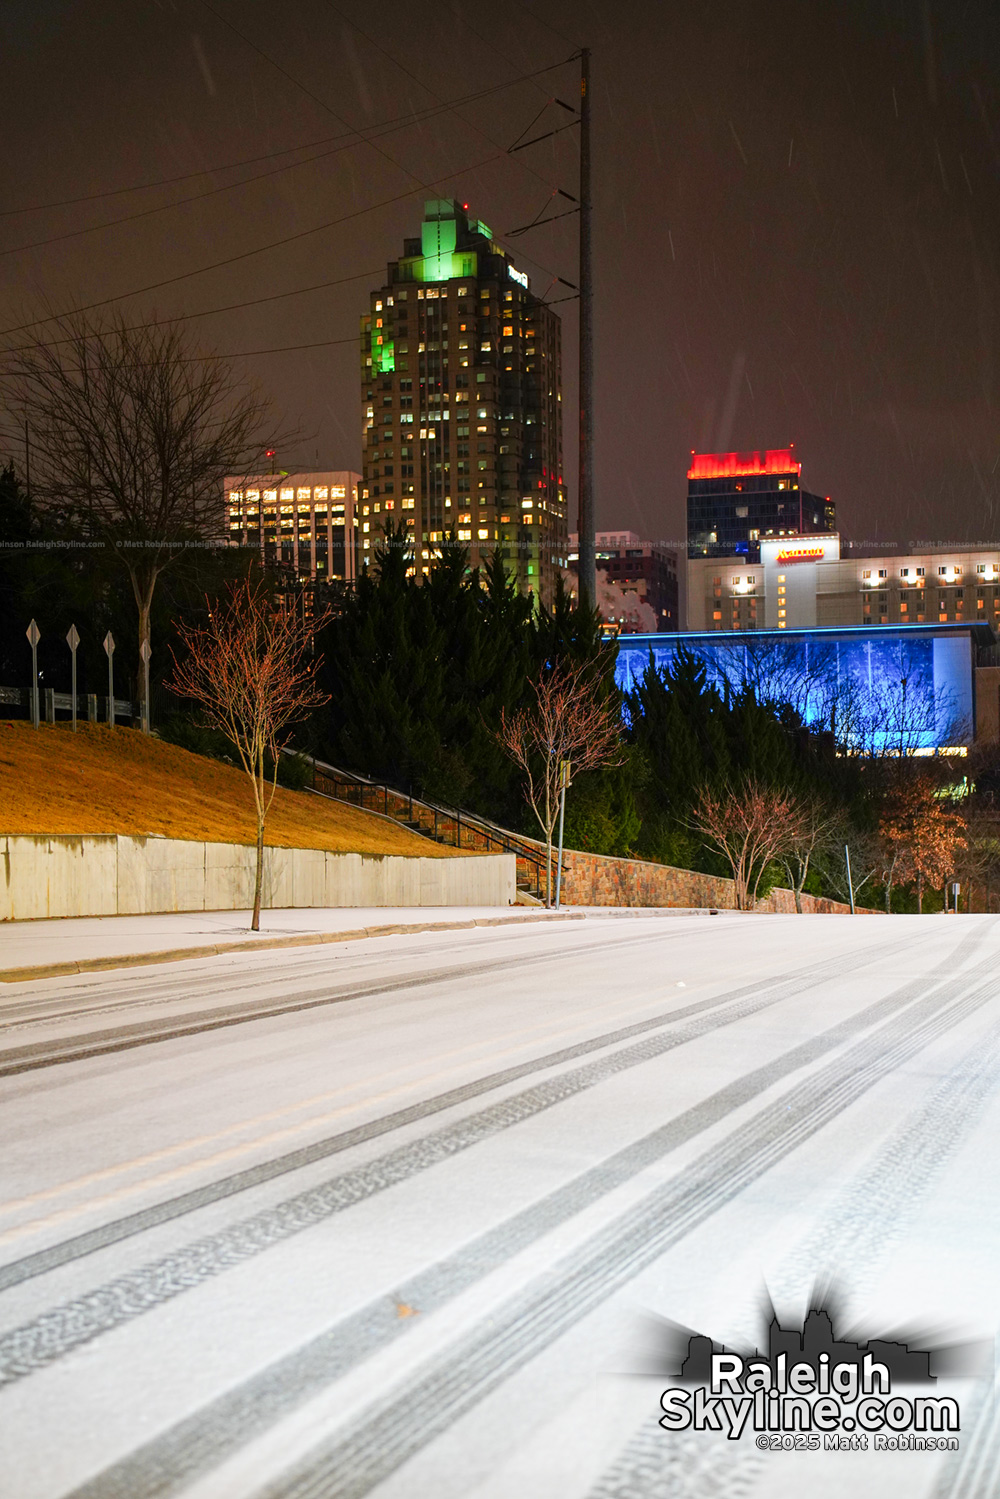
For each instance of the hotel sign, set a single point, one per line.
(801, 554)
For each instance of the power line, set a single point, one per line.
(185, 317)
(323, 105)
(258, 250)
(326, 343)
(410, 74)
(308, 92)
(419, 81)
(143, 213)
(243, 255)
(404, 69)
(415, 116)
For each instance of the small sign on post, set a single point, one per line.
(34, 635)
(73, 640)
(145, 653)
(564, 783)
(109, 646)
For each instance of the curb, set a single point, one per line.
(218, 949)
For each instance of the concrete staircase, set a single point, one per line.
(451, 826)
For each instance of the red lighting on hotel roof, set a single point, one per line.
(732, 465)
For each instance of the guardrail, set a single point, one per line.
(88, 705)
(450, 825)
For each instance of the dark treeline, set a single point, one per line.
(418, 673)
(689, 734)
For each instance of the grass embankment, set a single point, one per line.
(103, 780)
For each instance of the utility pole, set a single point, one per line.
(586, 525)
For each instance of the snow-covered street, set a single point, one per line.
(395, 1216)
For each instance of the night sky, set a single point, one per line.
(795, 214)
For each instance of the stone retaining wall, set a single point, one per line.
(600, 880)
(117, 876)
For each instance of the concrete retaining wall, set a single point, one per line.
(115, 876)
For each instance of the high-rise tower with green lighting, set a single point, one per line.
(461, 389)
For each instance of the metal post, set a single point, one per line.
(850, 882)
(73, 640)
(34, 635)
(145, 653)
(109, 646)
(586, 526)
(562, 815)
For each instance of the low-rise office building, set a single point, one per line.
(307, 523)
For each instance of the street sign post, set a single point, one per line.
(564, 784)
(109, 646)
(145, 653)
(34, 635)
(73, 640)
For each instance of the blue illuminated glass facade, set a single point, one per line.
(891, 690)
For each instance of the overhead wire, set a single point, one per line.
(186, 317)
(246, 254)
(323, 105)
(396, 121)
(470, 123)
(347, 142)
(351, 137)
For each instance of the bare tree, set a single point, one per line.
(132, 432)
(820, 829)
(751, 825)
(248, 670)
(867, 853)
(567, 720)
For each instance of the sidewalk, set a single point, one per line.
(45, 949)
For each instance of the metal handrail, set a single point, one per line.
(479, 827)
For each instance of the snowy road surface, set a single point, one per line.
(393, 1218)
